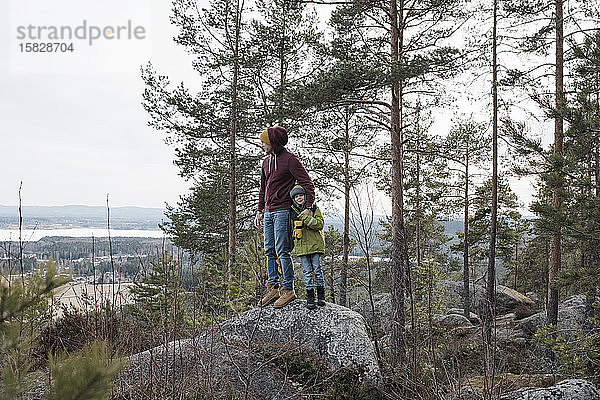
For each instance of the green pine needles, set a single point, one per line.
(87, 374)
(25, 309)
(577, 353)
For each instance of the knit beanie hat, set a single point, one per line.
(297, 190)
(264, 137)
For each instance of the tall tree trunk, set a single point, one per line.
(490, 313)
(420, 252)
(594, 285)
(419, 211)
(233, 124)
(554, 259)
(466, 279)
(398, 238)
(370, 291)
(516, 265)
(332, 278)
(346, 244)
(597, 165)
(21, 247)
(282, 63)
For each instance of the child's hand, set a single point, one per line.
(307, 212)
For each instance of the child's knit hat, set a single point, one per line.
(297, 190)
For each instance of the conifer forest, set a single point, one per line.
(458, 144)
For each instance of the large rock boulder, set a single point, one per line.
(204, 367)
(334, 334)
(449, 296)
(571, 317)
(258, 352)
(472, 316)
(571, 389)
(380, 321)
(533, 296)
(507, 299)
(452, 321)
(465, 393)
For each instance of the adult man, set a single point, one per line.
(279, 173)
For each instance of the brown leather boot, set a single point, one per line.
(285, 297)
(272, 294)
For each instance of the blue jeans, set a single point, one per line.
(311, 264)
(277, 245)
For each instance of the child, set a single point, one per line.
(309, 244)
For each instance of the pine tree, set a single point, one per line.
(24, 306)
(516, 267)
(340, 140)
(466, 146)
(401, 53)
(283, 48)
(542, 28)
(582, 165)
(507, 219)
(427, 173)
(206, 128)
(339, 150)
(490, 309)
(86, 374)
(157, 294)
(334, 247)
(531, 266)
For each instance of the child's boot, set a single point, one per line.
(310, 299)
(320, 296)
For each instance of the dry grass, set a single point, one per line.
(83, 296)
(509, 382)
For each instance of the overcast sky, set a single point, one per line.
(72, 126)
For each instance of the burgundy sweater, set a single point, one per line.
(279, 173)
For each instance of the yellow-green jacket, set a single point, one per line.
(312, 240)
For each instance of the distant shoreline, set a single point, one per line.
(33, 235)
(80, 211)
(80, 217)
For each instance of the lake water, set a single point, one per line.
(37, 234)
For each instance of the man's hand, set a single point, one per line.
(258, 220)
(307, 212)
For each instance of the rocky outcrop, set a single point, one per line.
(533, 296)
(334, 334)
(249, 353)
(571, 317)
(452, 321)
(472, 316)
(507, 299)
(203, 367)
(379, 322)
(450, 296)
(465, 393)
(571, 389)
